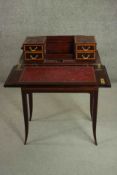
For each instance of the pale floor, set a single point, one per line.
(60, 138)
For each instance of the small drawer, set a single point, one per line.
(33, 48)
(34, 56)
(85, 56)
(85, 47)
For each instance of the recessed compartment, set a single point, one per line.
(60, 48)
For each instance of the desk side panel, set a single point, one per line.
(102, 77)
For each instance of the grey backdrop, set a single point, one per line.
(19, 18)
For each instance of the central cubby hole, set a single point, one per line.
(59, 47)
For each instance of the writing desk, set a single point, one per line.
(59, 64)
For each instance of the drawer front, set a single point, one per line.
(33, 48)
(34, 56)
(85, 56)
(85, 47)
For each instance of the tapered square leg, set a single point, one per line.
(25, 112)
(91, 104)
(94, 114)
(30, 96)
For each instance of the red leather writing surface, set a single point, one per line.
(60, 75)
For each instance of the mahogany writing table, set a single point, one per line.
(62, 64)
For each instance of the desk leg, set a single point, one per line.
(91, 104)
(25, 111)
(30, 105)
(94, 114)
